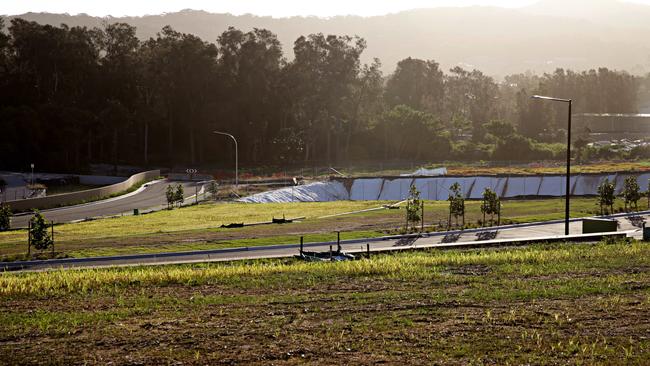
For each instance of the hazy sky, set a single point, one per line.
(277, 8)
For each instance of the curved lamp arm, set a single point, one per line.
(236, 155)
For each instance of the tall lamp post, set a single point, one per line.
(236, 155)
(568, 159)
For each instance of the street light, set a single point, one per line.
(568, 159)
(32, 180)
(236, 155)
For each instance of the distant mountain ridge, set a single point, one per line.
(539, 38)
(605, 12)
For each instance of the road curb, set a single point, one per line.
(20, 265)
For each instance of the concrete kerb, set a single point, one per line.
(533, 224)
(22, 264)
(443, 246)
(503, 242)
(188, 201)
(356, 241)
(112, 199)
(58, 200)
(18, 266)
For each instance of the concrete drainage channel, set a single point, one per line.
(437, 188)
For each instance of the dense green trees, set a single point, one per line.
(409, 133)
(631, 193)
(491, 205)
(456, 204)
(414, 208)
(70, 96)
(593, 91)
(39, 236)
(5, 217)
(606, 196)
(175, 195)
(418, 84)
(323, 75)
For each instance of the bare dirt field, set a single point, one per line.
(562, 304)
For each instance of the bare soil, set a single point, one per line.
(360, 320)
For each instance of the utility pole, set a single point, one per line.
(568, 159)
(422, 218)
(236, 155)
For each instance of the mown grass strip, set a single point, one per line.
(269, 273)
(198, 227)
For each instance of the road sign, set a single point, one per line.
(191, 172)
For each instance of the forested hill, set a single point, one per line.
(71, 96)
(495, 40)
(151, 93)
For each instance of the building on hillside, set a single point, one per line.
(612, 125)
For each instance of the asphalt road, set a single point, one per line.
(519, 234)
(152, 195)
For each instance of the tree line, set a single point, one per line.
(70, 96)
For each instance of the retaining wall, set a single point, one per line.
(437, 188)
(99, 180)
(66, 199)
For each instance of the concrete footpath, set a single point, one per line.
(629, 226)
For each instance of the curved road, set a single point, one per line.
(150, 195)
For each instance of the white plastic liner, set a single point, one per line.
(532, 185)
(427, 173)
(523, 186)
(366, 189)
(619, 179)
(313, 192)
(429, 188)
(514, 187)
(437, 188)
(643, 180)
(501, 187)
(466, 184)
(552, 186)
(619, 182)
(587, 185)
(612, 179)
(481, 183)
(396, 189)
(572, 185)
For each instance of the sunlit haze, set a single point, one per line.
(280, 8)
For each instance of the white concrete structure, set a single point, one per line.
(437, 188)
